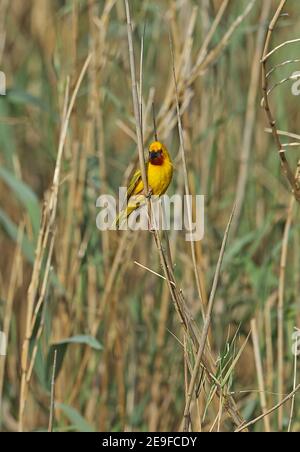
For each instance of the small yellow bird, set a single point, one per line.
(159, 173)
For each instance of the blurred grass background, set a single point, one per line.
(132, 376)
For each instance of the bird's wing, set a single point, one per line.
(135, 181)
(136, 178)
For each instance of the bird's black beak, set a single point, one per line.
(154, 154)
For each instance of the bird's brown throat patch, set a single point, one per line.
(157, 160)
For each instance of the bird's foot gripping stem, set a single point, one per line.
(149, 194)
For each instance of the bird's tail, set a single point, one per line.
(123, 215)
(135, 202)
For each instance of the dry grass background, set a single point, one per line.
(67, 135)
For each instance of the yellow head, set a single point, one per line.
(158, 153)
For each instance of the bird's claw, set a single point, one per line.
(150, 193)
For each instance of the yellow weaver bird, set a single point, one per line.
(159, 173)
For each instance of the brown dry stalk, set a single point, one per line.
(222, 44)
(269, 345)
(295, 186)
(117, 262)
(280, 309)
(185, 317)
(203, 339)
(165, 117)
(13, 284)
(167, 268)
(294, 387)
(4, 5)
(52, 398)
(293, 182)
(267, 413)
(45, 240)
(186, 183)
(259, 371)
(135, 99)
(243, 171)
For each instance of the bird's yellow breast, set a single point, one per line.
(159, 178)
